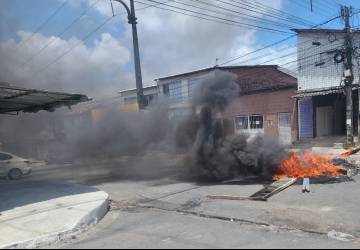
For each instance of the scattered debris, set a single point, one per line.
(349, 152)
(340, 236)
(350, 169)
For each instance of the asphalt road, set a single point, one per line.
(166, 213)
(158, 214)
(158, 229)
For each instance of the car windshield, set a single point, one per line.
(5, 157)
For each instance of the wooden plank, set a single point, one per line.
(235, 198)
(281, 188)
(262, 195)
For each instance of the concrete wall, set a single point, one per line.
(325, 76)
(132, 93)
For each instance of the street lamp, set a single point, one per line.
(133, 21)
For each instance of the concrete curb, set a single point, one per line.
(88, 220)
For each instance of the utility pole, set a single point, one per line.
(346, 12)
(133, 21)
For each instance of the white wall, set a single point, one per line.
(326, 76)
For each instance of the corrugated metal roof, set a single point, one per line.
(15, 99)
(322, 31)
(322, 92)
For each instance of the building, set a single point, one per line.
(265, 104)
(129, 97)
(31, 135)
(321, 96)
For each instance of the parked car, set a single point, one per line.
(14, 167)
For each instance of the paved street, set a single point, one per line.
(171, 214)
(158, 229)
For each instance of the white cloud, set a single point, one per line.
(97, 71)
(170, 43)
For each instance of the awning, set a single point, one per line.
(15, 99)
(322, 92)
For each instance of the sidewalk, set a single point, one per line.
(37, 213)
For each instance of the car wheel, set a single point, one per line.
(15, 174)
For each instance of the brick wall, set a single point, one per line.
(268, 104)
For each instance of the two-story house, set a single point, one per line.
(265, 104)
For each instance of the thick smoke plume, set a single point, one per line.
(214, 154)
(151, 142)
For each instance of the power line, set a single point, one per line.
(195, 16)
(44, 23)
(276, 43)
(224, 19)
(190, 15)
(86, 37)
(60, 34)
(269, 11)
(247, 7)
(247, 16)
(76, 45)
(276, 11)
(309, 49)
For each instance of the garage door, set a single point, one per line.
(285, 128)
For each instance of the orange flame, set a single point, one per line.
(307, 165)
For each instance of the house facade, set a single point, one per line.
(321, 96)
(265, 104)
(129, 97)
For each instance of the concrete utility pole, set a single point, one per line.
(133, 21)
(348, 74)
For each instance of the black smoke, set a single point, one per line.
(214, 154)
(149, 144)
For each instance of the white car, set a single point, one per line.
(14, 167)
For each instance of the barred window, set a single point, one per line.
(249, 122)
(256, 121)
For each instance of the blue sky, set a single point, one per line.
(170, 43)
(29, 15)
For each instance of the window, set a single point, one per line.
(149, 99)
(175, 91)
(166, 89)
(251, 122)
(5, 157)
(256, 121)
(242, 122)
(192, 85)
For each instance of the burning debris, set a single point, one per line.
(308, 165)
